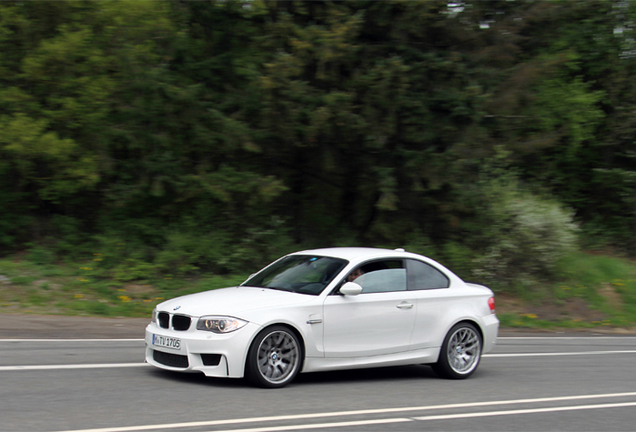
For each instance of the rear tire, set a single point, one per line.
(460, 353)
(274, 358)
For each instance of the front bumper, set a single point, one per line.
(215, 355)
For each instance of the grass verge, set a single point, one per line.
(594, 291)
(28, 287)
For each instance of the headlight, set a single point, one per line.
(154, 316)
(220, 324)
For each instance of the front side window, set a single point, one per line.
(380, 276)
(302, 274)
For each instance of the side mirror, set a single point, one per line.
(351, 289)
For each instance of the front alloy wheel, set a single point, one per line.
(460, 353)
(274, 357)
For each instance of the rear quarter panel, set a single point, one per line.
(438, 310)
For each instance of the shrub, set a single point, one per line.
(459, 258)
(527, 236)
(186, 252)
(39, 254)
(71, 241)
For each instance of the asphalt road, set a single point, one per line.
(541, 382)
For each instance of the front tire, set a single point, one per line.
(274, 358)
(460, 353)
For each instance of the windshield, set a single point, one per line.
(302, 274)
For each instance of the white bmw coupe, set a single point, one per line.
(328, 309)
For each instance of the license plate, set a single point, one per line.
(166, 342)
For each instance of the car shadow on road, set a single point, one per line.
(196, 379)
(395, 373)
(371, 375)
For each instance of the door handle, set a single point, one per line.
(314, 319)
(405, 305)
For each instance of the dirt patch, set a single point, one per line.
(74, 327)
(575, 309)
(139, 289)
(611, 296)
(505, 303)
(45, 282)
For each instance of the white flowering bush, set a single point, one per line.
(526, 237)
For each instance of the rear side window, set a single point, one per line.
(423, 276)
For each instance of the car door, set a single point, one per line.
(378, 321)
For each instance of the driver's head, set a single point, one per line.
(355, 274)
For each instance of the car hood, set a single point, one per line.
(235, 301)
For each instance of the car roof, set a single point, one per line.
(357, 253)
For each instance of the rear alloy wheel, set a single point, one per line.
(274, 358)
(460, 353)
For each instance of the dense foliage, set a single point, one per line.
(217, 135)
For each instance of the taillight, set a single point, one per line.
(491, 304)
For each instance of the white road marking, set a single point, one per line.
(352, 413)
(71, 340)
(321, 425)
(427, 418)
(128, 365)
(526, 411)
(563, 337)
(559, 353)
(72, 366)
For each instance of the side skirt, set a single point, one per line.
(422, 356)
